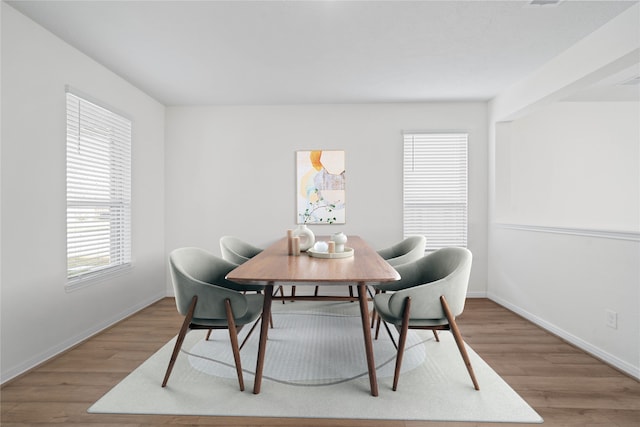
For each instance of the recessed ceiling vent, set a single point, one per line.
(543, 3)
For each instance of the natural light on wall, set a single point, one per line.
(98, 190)
(435, 188)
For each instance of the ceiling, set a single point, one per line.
(299, 52)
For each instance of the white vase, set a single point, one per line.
(307, 238)
(340, 239)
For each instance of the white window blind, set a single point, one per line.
(98, 189)
(435, 188)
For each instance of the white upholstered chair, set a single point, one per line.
(209, 301)
(430, 295)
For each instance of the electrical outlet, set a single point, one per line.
(612, 319)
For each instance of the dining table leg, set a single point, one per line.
(264, 330)
(368, 345)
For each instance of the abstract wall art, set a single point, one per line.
(320, 178)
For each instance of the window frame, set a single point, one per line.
(98, 189)
(444, 219)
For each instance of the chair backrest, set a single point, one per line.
(195, 271)
(443, 272)
(236, 250)
(408, 250)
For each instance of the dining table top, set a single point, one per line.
(274, 264)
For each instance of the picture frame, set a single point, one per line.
(321, 194)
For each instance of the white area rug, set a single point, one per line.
(315, 367)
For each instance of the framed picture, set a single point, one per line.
(320, 187)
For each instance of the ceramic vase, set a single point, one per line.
(307, 238)
(340, 239)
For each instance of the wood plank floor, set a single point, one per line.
(563, 384)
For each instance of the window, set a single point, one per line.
(98, 190)
(435, 188)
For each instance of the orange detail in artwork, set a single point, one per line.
(315, 159)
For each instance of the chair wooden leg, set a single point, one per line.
(458, 337)
(315, 292)
(183, 332)
(233, 335)
(373, 311)
(393, 341)
(281, 293)
(370, 293)
(435, 334)
(401, 343)
(251, 331)
(208, 335)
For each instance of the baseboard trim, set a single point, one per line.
(603, 234)
(621, 365)
(477, 294)
(45, 356)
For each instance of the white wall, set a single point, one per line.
(38, 317)
(571, 164)
(231, 170)
(567, 214)
(564, 241)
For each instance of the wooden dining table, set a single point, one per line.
(275, 265)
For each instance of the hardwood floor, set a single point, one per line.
(564, 385)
